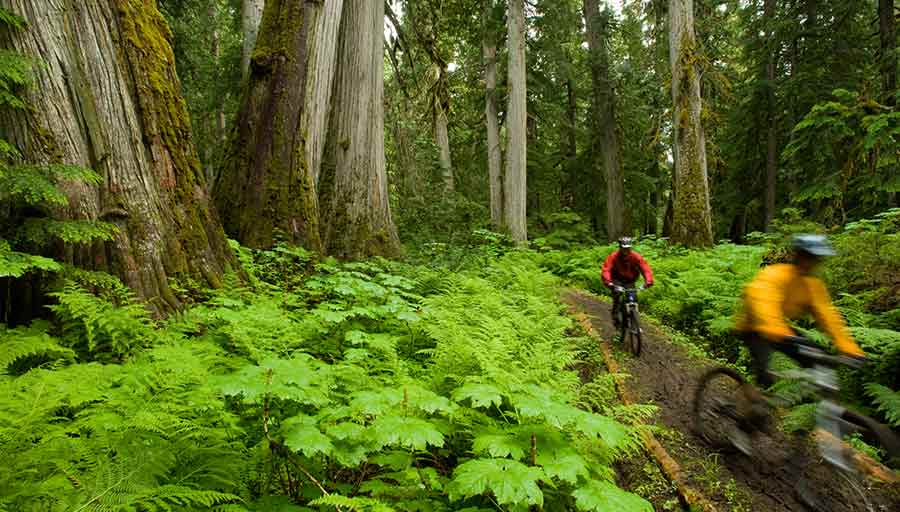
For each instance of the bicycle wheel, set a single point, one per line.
(623, 324)
(635, 332)
(876, 434)
(716, 404)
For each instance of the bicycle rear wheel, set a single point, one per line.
(716, 404)
(876, 434)
(635, 333)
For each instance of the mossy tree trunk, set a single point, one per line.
(494, 152)
(691, 220)
(251, 16)
(106, 96)
(353, 193)
(604, 140)
(514, 191)
(265, 186)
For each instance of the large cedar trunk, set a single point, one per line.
(516, 124)
(322, 53)
(691, 221)
(353, 192)
(251, 16)
(605, 142)
(569, 187)
(265, 186)
(106, 96)
(490, 112)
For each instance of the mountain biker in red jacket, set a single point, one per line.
(622, 268)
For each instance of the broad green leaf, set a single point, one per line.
(511, 482)
(613, 433)
(605, 497)
(403, 431)
(302, 435)
(565, 465)
(481, 395)
(499, 445)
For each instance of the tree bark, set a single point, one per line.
(251, 17)
(265, 185)
(692, 220)
(570, 195)
(353, 185)
(516, 125)
(604, 139)
(887, 30)
(107, 97)
(440, 101)
(494, 156)
(771, 145)
(322, 55)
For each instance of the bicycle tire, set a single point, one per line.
(635, 330)
(623, 323)
(714, 430)
(874, 432)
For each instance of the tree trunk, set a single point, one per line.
(604, 139)
(107, 97)
(265, 185)
(441, 130)
(251, 17)
(887, 29)
(494, 155)
(771, 148)
(516, 124)
(322, 55)
(569, 196)
(353, 185)
(691, 222)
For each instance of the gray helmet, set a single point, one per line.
(625, 242)
(815, 245)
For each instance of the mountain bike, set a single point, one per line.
(629, 319)
(722, 411)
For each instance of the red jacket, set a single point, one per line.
(625, 269)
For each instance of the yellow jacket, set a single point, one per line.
(779, 292)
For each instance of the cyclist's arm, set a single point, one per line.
(645, 271)
(764, 298)
(829, 319)
(606, 274)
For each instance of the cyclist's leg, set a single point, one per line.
(755, 409)
(617, 303)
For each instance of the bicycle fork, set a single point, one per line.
(828, 418)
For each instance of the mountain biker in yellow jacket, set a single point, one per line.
(788, 291)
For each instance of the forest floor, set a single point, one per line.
(665, 375)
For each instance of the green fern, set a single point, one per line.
(887, 400)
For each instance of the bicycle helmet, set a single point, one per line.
(814, 245)
(625, 242)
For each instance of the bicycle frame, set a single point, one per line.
(822, 380)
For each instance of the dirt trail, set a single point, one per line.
(665, 375)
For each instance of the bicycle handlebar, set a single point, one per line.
(820, 356)
(621, 289)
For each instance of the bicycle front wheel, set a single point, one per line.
(717, 403)
(876, 434)
(635, 332)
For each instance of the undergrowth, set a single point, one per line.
(316, 386)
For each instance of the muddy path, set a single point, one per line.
(665, 375)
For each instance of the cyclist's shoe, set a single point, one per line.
(741, 440)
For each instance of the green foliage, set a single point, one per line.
(888, 401)
(96, 329)
(389, 386)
